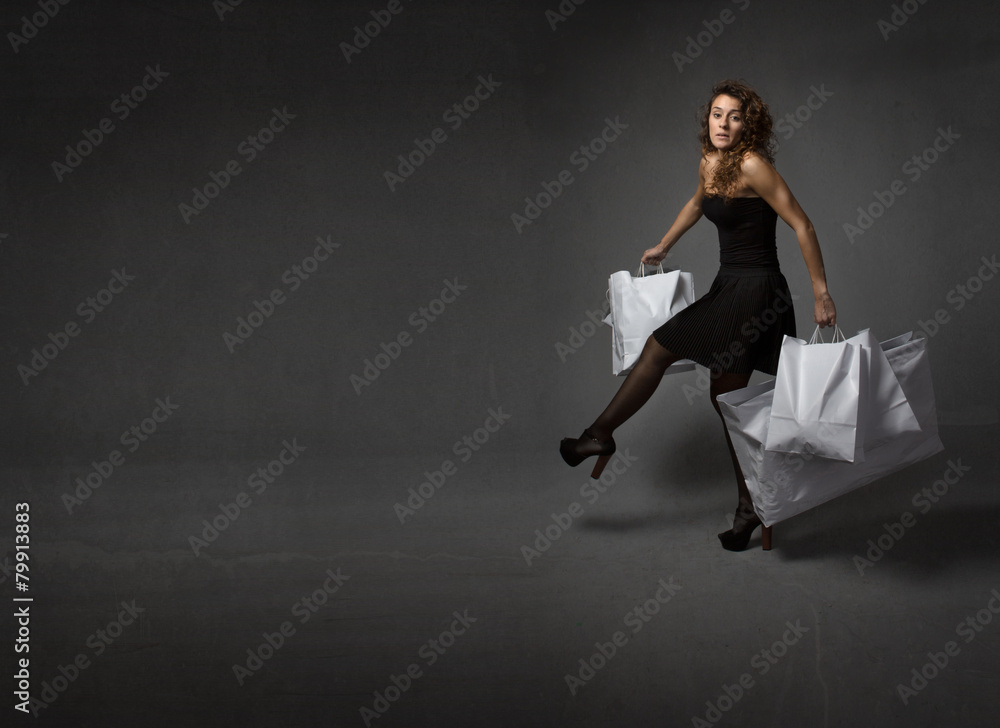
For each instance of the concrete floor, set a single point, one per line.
(797, 636)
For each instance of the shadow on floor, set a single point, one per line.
(943, 538)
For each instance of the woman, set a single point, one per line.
(739, 324)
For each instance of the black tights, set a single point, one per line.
(639, 386)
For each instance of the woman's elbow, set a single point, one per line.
(805, 229)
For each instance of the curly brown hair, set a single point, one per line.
(757, 136)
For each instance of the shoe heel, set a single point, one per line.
(599, 466)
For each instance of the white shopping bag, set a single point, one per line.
(817, 392)
(786, 484)
(884, 411)
(639, 305)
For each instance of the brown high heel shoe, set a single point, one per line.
(575, 450)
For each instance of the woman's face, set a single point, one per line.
(725, 122)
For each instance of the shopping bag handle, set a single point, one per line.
(838, 336)
(641, 273)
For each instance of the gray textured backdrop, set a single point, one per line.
(324, 175)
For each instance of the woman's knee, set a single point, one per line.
(654, 352)
(726, 382)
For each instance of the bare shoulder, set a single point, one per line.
(754, 163)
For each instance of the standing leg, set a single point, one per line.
(745, 520)
(722, 383)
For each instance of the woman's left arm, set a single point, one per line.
(764, 179)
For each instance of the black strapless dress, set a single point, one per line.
(739, 324)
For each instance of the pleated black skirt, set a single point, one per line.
(737, 326)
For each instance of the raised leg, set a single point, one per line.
(636, 390)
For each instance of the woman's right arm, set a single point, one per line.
(686, 218)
